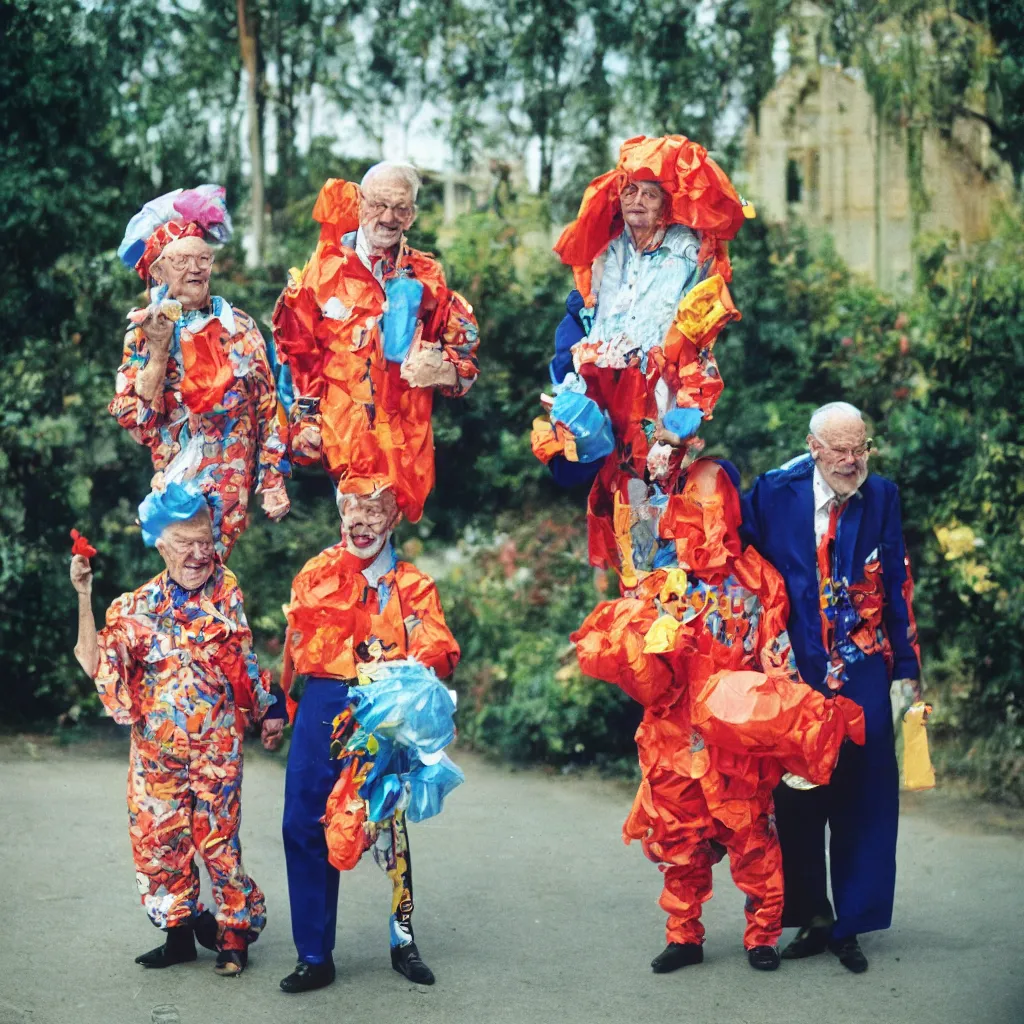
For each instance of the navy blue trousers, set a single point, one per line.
(309, 779)
(861, 808)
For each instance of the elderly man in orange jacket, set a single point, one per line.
(368, 330)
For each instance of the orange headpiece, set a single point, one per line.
(700, 193)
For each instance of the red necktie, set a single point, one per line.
(825, 572)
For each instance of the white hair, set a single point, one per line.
(342, 497)
(821, 416)
(386, 169)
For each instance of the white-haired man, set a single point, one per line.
(353, 606)
(834, 531)
(368, 330)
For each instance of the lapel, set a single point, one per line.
(846, 538)
(801, 516)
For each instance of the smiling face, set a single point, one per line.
(643, 206)
(367, 522)
(185, 267)
(387, 209)
(840, 449)
(188, 552)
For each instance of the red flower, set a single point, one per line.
(81, 546)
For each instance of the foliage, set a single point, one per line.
(512, 607)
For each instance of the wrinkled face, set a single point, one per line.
(386, 211)
(185, 267)
(643, 203)
(187, 550)
(841, 451)
(367, 522)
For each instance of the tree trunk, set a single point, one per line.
(248, 46)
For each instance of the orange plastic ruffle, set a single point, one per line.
(337, 208)
(208, 371)
(345, 819)
(768, 715)
(702, 198)
(610, 647)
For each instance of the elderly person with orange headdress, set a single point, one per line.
(368, 331)
(195, 383)
(634, 371)
(367, 644)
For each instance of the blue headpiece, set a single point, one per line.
(176, 504)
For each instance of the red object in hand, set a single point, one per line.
(81, 546)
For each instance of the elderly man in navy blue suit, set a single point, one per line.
(834, 531)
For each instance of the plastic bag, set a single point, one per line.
(399, 319)
(591, 428)
(918, 772)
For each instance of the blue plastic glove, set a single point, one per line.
(682, 422)
(399, 319)
(591, 427)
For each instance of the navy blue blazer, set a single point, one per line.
(778, 519)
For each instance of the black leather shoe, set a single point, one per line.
(809, 941)
(851, 956)
(676, 955)
(180, 948)
(205, 928)
(307, 977)
(764, 958)
(406, 960)
(231, 962)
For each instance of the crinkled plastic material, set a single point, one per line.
(683, 422)
(406, 702)
(429, 785)
(175, 504)
(204, 206)
(399, 319)
(591, 428)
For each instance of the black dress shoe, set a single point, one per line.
(676, 955)
(307, 977)
(406, 960)
(231, 962)
(808, 942)
(851, 956)
(764, 958)
(180, 948)
(205, 928)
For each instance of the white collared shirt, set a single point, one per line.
(823, 498)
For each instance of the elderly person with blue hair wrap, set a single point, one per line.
(175, 662)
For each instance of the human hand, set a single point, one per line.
(427, 368)
(276, 503)
(81, 575)
(272, 733)
(158, 328)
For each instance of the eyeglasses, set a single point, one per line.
(842, 453)
(181, 260)
(401, 210)
(650, 193)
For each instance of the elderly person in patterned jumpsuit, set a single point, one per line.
(195, 383)
(175, 662)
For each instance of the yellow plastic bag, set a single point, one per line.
(918, 772)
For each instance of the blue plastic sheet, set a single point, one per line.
(399, 320)
(583, 418)
(409, 713)
(683, 422)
